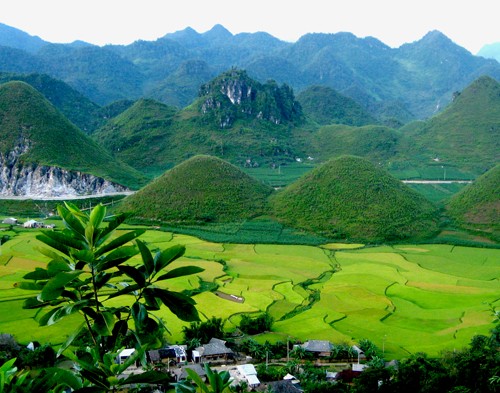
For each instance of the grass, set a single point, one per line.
(406, 298)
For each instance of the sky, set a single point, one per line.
(470, 24)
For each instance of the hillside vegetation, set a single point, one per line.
(479, 202)
(326, 106)
(201, 189)
(375, 143)
(349, 198)
(30, 123)
(466, 133)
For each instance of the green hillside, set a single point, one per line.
(201, 189)
(375, 143)
(227, 121)
(28, 121)
(350, 198)
(73, 105)
(466, 133)
(479, 202)
(138, 134)
(326, 106)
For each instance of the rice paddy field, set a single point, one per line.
(404, 298)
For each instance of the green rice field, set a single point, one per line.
(404, 298)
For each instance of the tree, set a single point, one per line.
(204, 331)
(88, 267)
(257, 325)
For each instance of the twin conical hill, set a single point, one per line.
(40, 134)
(203, 188)
(479, 202)
(348, 197)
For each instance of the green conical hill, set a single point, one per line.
(203, 188)
(479, 202)
(467, 132)
(139, 134)
(348, 197)
(29, 123)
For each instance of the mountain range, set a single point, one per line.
(413, 81)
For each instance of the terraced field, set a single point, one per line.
(405, 299)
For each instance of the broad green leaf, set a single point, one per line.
(54, 244)
(180, 271)
(38, 274)
(152, 302)
(134, 274)
(71, 220)
(117, 257)
(112, 225)
(128, 289)
(165, 257)
(181, 305)
(139, 314)
(30, 286)
(90, 233)
(44, 320)
(66, 239)
(52, 255)
(86, 256)
(97, 215)
(57, 266)
(119, 241)
(104, 323)
(147, 258)
(102, 279)
(55, 286)
(197, 380)
(71, 338)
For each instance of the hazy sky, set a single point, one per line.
(470, 24)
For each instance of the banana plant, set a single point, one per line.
(88, 267)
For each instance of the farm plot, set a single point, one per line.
(403, 298)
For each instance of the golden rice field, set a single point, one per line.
(404, 298)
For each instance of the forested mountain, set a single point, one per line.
(34, 134)
(415, 80)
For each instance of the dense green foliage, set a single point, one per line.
(202, 188)
(479, 202)
(326, 106)
(29, 121)
(201, 332)
(256, 325)
(234, 95)
(349, 198)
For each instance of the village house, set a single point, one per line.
(10, 221)
(319, 348)
(215, 350)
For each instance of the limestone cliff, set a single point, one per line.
(39, 181)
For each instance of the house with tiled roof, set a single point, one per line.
(214, 350)
(318, 347)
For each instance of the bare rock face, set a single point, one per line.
(40, 181)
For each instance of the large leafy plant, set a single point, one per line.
(89, 266)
